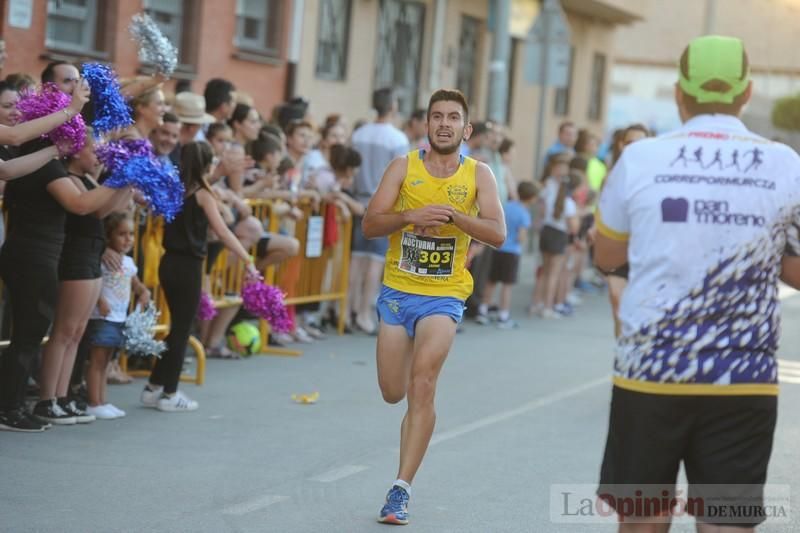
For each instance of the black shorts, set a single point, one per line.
(587, 221)
(724, 443)
(504, 267)
(262, 248)
(80, 259)
(621, 272)
(553, 241)
(214, 249)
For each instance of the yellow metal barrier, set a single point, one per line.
(303, 278)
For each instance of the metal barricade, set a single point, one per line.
(304, 279)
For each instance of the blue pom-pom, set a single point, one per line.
(158, 182)
(114, 154)
(110, 108)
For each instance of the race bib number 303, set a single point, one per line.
(427, 256)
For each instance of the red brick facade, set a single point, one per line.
(209, 31)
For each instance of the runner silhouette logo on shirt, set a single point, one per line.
(751, 160)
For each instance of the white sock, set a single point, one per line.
(483, 309)
(404, 485)
(504, 315)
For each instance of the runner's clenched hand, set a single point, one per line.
(430, 215)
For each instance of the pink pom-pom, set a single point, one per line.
(70, 137)
(266, 301)
(206, 310)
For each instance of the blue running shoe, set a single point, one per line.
(395, 510)
(587, 287)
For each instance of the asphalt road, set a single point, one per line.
(520, 413)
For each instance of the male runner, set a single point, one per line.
(695, 377)
(430, 204)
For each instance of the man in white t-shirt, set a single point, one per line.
(708, 217)
(378, 143)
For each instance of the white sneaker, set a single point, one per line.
(149, 398)
(482, 319)
(535, 309)
(176, 402)
(102, 412)
(301, 335)
(120, 413)
(507, 324)
(551, 314)
(573, 299)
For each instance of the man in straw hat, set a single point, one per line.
(709, 218)
(190, 109)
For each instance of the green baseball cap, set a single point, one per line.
(714, 57)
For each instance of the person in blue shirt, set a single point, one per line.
(505, 260)
(567, 137)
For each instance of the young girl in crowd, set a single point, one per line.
(560, 220)
(618, 279)
(79, 285)
(181, 273)
(245, 124)
(344, 163)
(332, 133)
(577, 190)
(108, 319)
(220, 136)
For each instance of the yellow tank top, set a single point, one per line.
(433, 264)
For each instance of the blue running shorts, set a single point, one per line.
(398, 308)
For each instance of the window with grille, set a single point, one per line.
(333, 36)
(399, 52)
(468, 56)
(75, 26)
(258, 26)
(597, 87)
(513, 58)
(562, 93)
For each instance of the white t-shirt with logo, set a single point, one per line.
(708, 211)
(117, 290)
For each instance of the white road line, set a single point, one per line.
(788, 371)
(785, 291)
(254, 505)
(339, 473)
(788, 364)
(521, 410)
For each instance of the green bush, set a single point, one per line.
(786, 113)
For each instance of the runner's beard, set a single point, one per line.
(446, 149)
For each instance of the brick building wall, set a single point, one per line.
(209, 30)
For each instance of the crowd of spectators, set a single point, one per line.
(230, 154)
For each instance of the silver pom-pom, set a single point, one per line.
(138, 332)
(154, 47)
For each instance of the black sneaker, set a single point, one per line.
(50, 411)
(33, 419)
(18, 420)
(80, 395)
(80, 402)
(71, 407)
